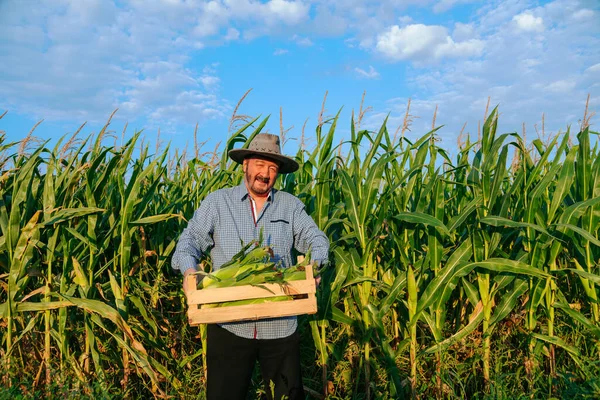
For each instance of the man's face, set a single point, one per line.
(260, 174)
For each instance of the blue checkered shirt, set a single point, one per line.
(224, 222)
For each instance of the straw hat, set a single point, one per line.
(266, 145)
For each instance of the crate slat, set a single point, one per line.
(218, 295)
(252, 311)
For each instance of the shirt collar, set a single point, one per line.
(241, 192)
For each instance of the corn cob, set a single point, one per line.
(259, 300)
(294, 273)
(257, 274)
(255, 255)
(258, 254)
(241, 266)
(233, 274)
(241, 254)
(252, 269)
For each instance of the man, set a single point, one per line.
(225, 221)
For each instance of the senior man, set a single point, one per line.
(225, 221)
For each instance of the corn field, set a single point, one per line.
(471, 276)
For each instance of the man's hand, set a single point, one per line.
(189, 284)
(317, 281)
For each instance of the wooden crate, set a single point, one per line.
(304, 301)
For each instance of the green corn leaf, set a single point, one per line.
(509, 302)
(458, 336)
(421, 218)
(67, 214)
(500, 221)
(573, 351)
(155, 219)
(338, 316)
(584, 274)
(585, 234)
(563, 184)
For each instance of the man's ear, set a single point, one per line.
(245, 165)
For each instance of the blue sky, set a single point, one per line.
(170, 64)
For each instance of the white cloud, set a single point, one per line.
(163, 86)
(302, 41)
(370, 74)
(583, 14)
(405, 20)
(412, 41)
(529, 63)
(467, 48)
(350, 42)
(209, 82)
(424, 43)
(528, 22)
(328, 22)
(445, 5)
(463, 31)
(551, 73)
(561, 86)
(79, 60)
(260, 18)
(290, 12)
(593, 69)
(212, 17)
(189, 106)
(83, 62)
(232, 34)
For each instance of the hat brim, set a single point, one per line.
(287, 165)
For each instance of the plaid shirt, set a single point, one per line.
(224, 222)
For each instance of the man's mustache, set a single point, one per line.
(262, 179)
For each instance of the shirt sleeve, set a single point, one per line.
(308, 236)
(197, 238)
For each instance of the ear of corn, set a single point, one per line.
(234, 273)
(260, 300)
(294, 274)
(250, 272)
(251, 268)
(247, 254)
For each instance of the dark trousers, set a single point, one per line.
(230, 362)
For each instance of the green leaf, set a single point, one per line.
(155, 219)
(458, 336)
(584, 274)
(421, 218)
(500, 221)
(435, 288)
(338, 316)
(67, 214)
(573, 351)
(509, 301)
(585, 234)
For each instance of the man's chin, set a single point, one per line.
(261, 191)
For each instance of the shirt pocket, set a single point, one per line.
(280, 235)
